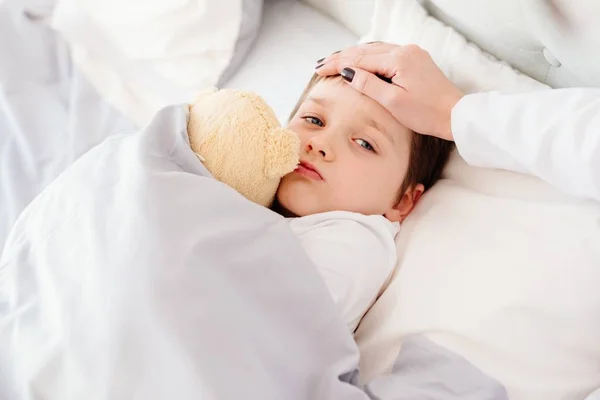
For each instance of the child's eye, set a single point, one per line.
(364, 144)
(314, 121)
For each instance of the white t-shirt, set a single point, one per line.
(354, 253)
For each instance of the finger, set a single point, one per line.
(363, 48)
(384, 64)
(369, 84)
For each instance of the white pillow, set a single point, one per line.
(354, 15)
(496, 266)
(143, 54)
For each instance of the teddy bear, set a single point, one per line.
(240, 141)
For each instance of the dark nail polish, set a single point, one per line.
(320, 59)
(348, 74)
(319, 66)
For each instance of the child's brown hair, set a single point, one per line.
(428, 154)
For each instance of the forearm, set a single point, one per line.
(554, 135)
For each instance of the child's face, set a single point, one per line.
(354, 155)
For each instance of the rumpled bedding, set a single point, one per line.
(49, 114)
(135, 274)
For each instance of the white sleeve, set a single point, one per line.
(354, 258)
(552, 134)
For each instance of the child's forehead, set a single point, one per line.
(331, 83)
(334, 91)
(336, 97)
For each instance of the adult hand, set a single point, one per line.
(419, 96)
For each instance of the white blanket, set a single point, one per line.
(135, 273)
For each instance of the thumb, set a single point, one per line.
(385, 93)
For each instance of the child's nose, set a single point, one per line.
(320, 148)
(310, 149)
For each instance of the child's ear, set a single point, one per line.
(406, 204)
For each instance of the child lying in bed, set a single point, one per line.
(361, 173)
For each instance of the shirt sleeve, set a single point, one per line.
(552, 134)
(354, 258)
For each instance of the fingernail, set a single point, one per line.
(320, 59)
(348, 74)
(335, 52)
(319, 66)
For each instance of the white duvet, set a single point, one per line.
(135, 274)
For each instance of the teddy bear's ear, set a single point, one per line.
(205, 92)
(281, 153)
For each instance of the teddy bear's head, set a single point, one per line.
(240, 141)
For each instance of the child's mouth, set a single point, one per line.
(308, 170)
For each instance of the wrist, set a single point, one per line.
(446, 126)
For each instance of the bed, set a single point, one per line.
(483, 271)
